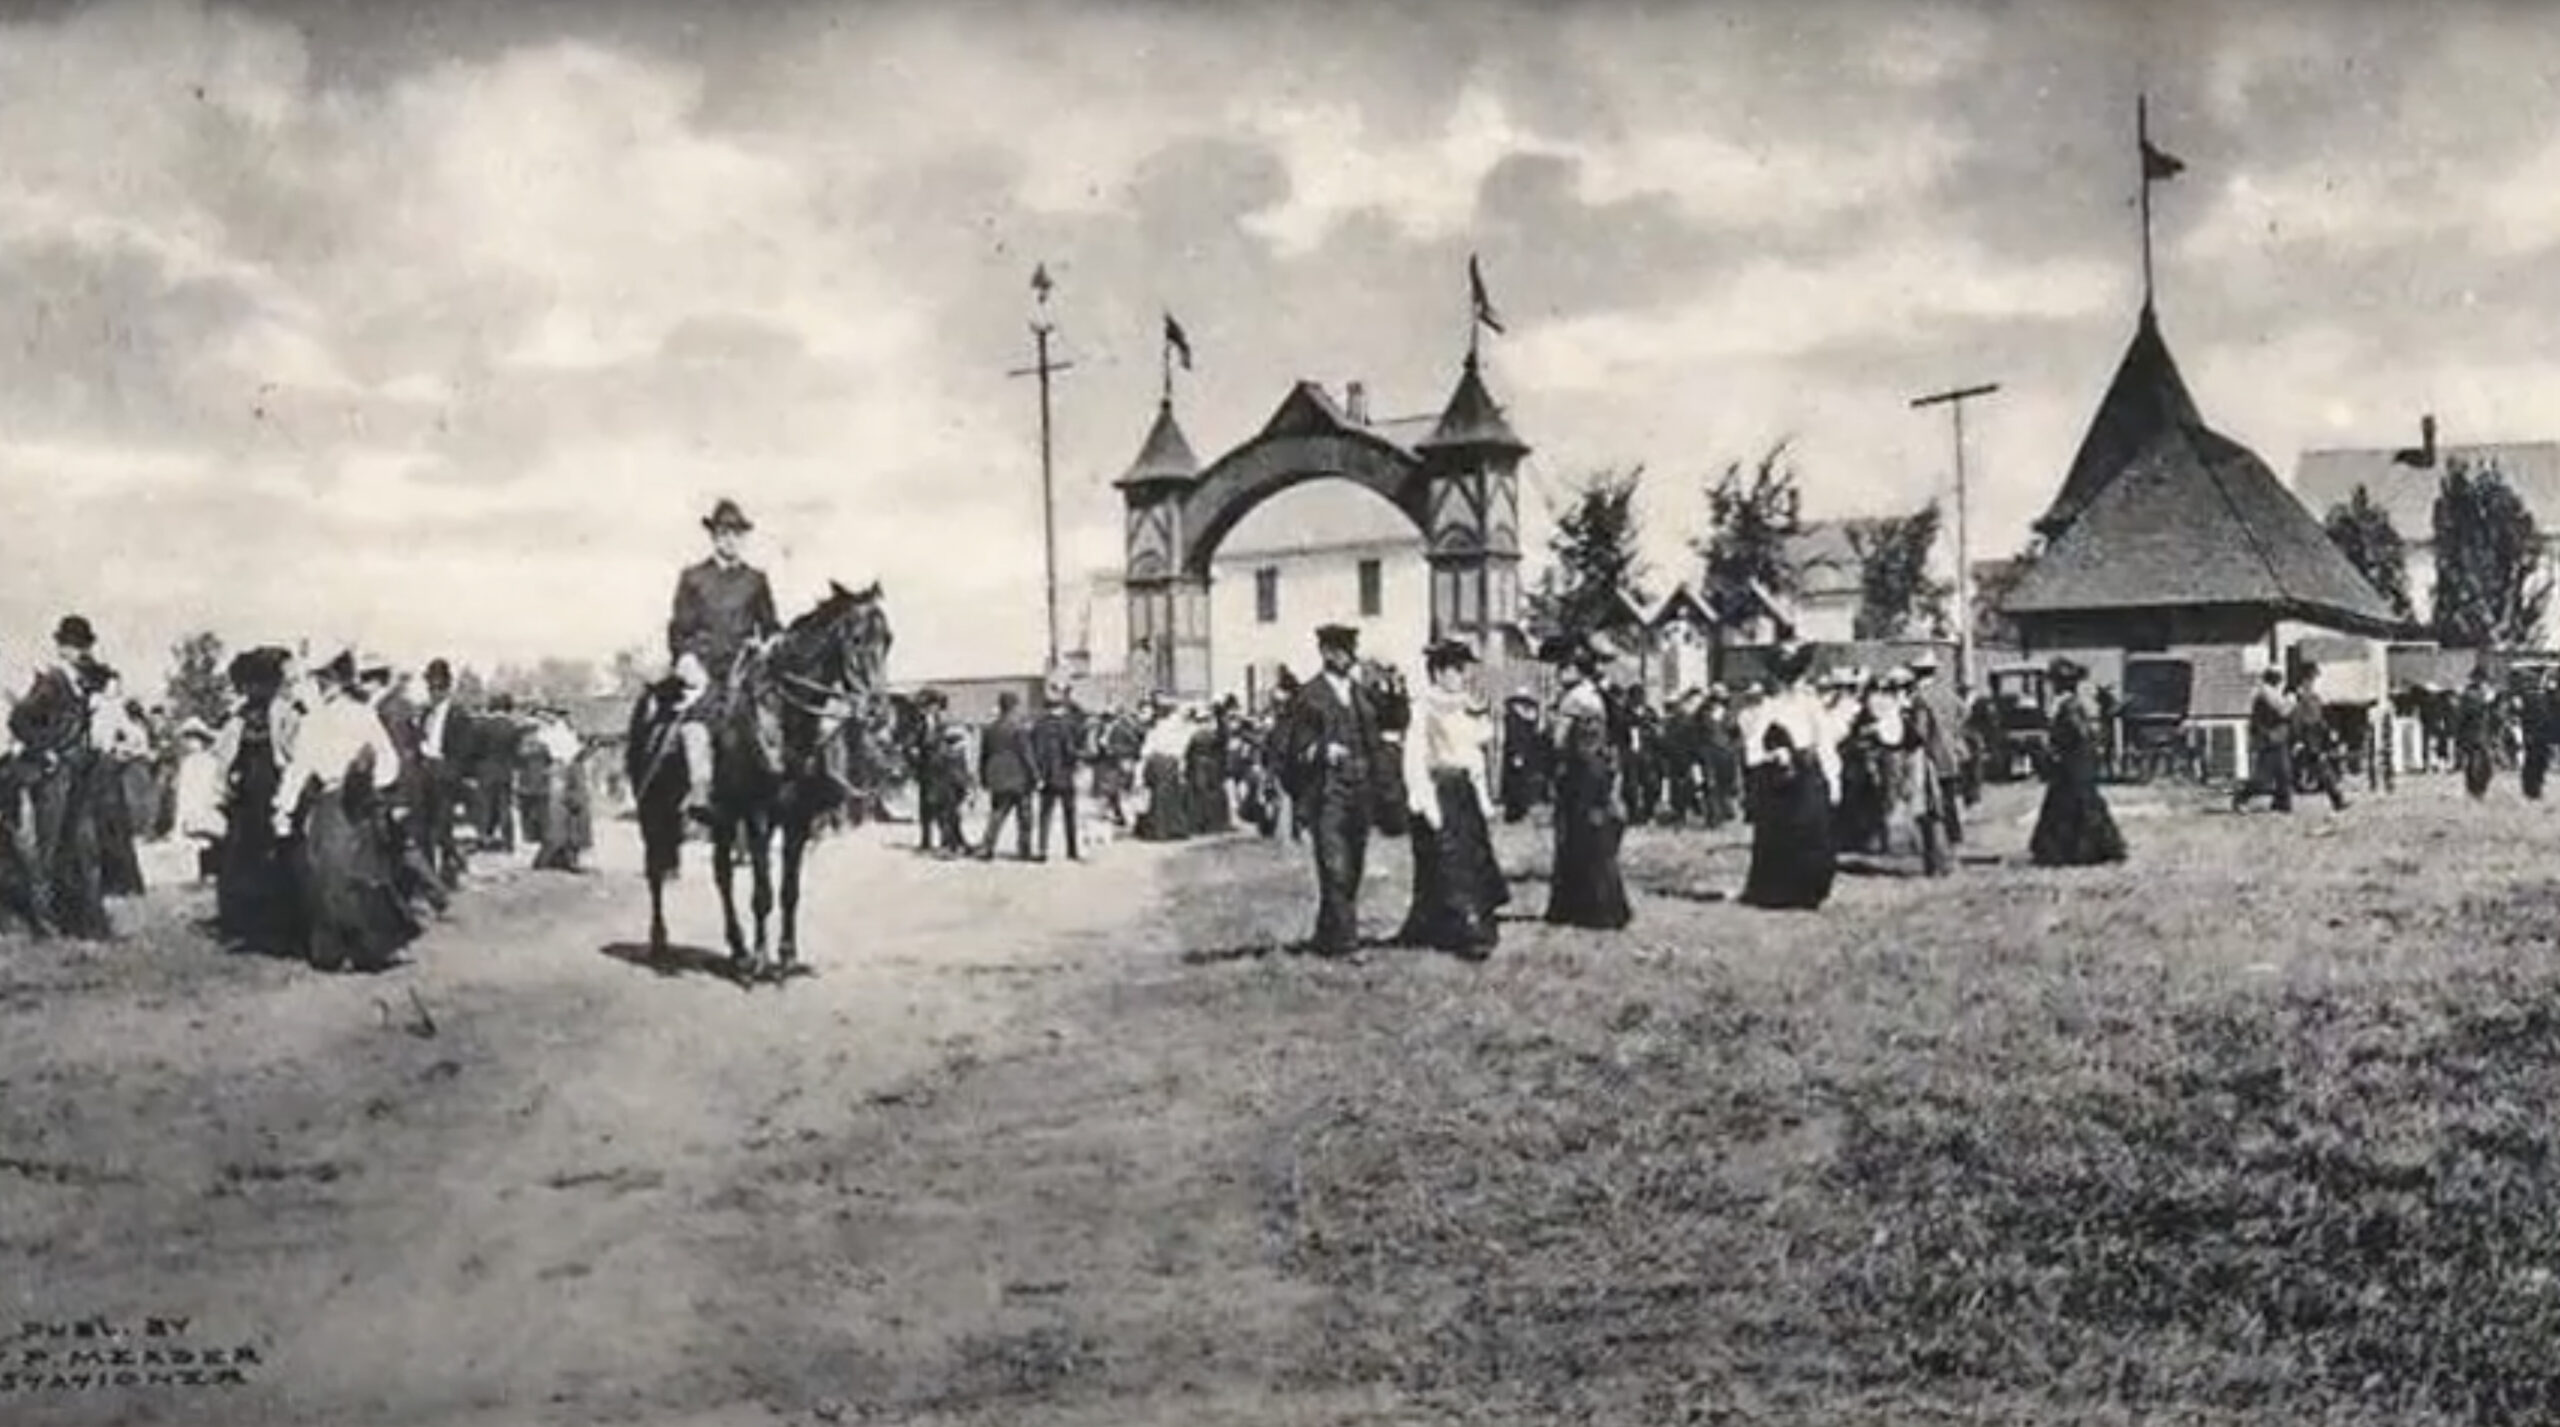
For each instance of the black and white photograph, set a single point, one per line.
(1123, 713)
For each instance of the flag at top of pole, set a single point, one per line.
(2158, 166)
(1177, 344)
(1481, 304)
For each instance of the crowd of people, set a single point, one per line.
(329, 804)
(1879, 764)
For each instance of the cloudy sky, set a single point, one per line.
(437, 326)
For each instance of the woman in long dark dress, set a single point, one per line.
(1458, 886)
(1793, 857)
(1204, 762)
(343, 764)
(1165, 775)
(1586, 888)
(2074, 828)
(255, 908)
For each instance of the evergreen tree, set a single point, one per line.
(1595, 559)
(199, 686)
(1896, 592)
(1753, 518)
(2363, 532)
(2490, 586)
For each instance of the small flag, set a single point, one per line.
(1475, 290)
(1040, 281)
(2158, 165)
(1176, 341)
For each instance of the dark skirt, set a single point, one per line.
(1458, 886)
(352, 912)
(256, 904)
(1587, 888)
(1793, 860)
(65, 840)
(1168, 814)
(2074, 828)
(119, 860)
(1212, 810)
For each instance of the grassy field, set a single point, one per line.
(2255, 1128)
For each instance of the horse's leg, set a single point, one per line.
(724, 832)
(657, 912)
(795, 847)
(760, 855)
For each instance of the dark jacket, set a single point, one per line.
(718, 609)
(1321, 720)
(1004, 757)
(53, 719)
(1054, 741)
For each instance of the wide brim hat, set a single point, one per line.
(75, 632)
(725, 515)
(1448, 654)
(341, 667)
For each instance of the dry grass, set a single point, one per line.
(2252, 1129)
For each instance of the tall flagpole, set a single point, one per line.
(1042, 329)
(2142, 162)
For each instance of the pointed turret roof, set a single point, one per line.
(2194, 518)
(1471, 418)
(2146, 398)
(1166, 455)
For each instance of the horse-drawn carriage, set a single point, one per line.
(2156, 739)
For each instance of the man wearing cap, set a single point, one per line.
(2270, 745)
(1719, 757)
(1056, 738)
(1524, 757)
(439, 785)
(51, 725)
(1332, 747)
(1940, 721)
(1005, 771)
(722, 606)
(2314, 742)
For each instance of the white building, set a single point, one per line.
(1327, 552)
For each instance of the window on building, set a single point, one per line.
(1266, 596)
(1372, 589)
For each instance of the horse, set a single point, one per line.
(777, 713)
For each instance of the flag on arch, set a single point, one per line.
(1177, 341)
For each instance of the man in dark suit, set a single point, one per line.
(440, 749)
(722, 606)
(51, 726)
(1332, 750)
(1055, 741)
(1004, 770)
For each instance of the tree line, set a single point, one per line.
(2491, 588)
(1747, 554)
(2492, 584)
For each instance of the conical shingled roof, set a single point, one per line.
(1471, 418)
(1166, 455)
(2146, 397)
(2194, 518)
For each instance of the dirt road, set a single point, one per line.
(596, 1191)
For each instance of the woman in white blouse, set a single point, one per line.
(1458, 887)
(1793, 859)
(343, 761)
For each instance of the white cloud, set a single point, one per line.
(1774, 308)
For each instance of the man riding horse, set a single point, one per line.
(723, 607)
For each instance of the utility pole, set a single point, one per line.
(1954, 401)
(1042, 329)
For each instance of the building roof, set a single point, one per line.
(2146, 396)
(1472, 418)
(2407, 493)
(2195, 518)
(1166, 453)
